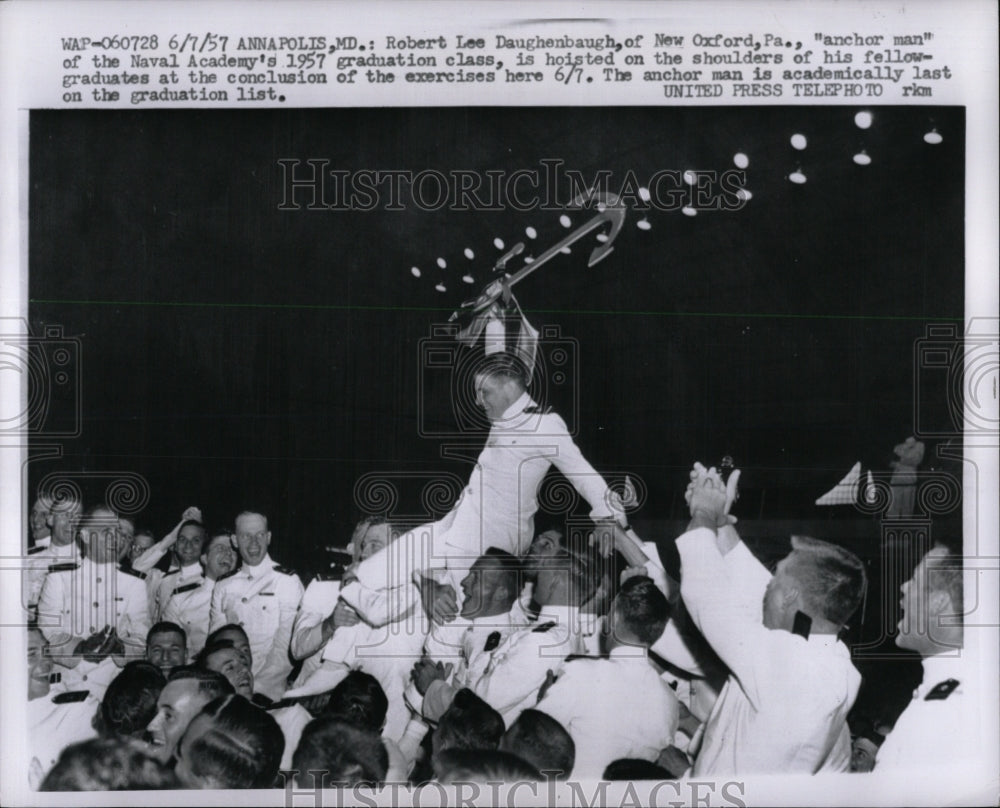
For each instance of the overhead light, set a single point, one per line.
(797, 177)
(799, 142)
(863, 120)
(862, 158)
(740, 160)
(933, 137)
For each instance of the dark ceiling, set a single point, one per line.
(240, 355)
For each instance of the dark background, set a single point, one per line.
(240, 356)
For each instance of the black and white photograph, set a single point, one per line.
(386, 450)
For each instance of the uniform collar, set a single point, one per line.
(628, 653)
(191, 570)
(262, 568)
(515, 618)
(562, 615)
(515, 416)
(63, 550)
(946, 665)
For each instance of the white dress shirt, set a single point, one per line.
(784, 707)
(613, 708)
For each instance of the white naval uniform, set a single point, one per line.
(39, 561)
(263, 600)
(951, 728)
(307, 641)
(146, 563)
(291, 720)
(468, 645)
(517, 667)
(79, 602)
(613, 708)
(52, 727)
(496, 509)
(186, 595)
(784, 707)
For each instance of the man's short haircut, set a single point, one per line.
(242, 747)
(469, 723)
(341, 753)
(833, 579)
(213, 535)
(358, 700)
(201, 660)
(211, 685)
(506, 366)
(482, 766)
(635, 769)
(582, 566)
(217, 634)
(642, 608)
(251, 513)
(166, 627)
(945, 573)
(129, 703)
(108, 764)
(540, 740)
(188, 522)
(98, 516)
(509, 565)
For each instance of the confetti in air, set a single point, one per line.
(644, 194)
(565, 221)
(602, 237)
(442, 263)
(468, 279)
(415, 272)
(933, 137)
(797, 177)
(565, 251)
(687, 210)
(498, 243)
(643, 224)
(441, 287)
(530, 232)
(469, 254)
(690, 177)
(862, 158)
(744, 194)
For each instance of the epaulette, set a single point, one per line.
(70, 696)
(284, 570)
(134, 573)
(186, 588)
(229, 574)
(36, 549)
(574, 657)
(942, 690)
(65, 566)
(543, 627)
(536, 410)
(261, 700)
(168, 573)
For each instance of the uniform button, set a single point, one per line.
(97, 605)
(244, 600)
(98, 580)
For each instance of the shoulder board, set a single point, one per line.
(186, 588)
(229, 574)
(33, 550)
(574, 657)
(543, 627)
(70, 696)
(171, 572)
(536, 410)
(66, 566)
(942, 690)
(284, 570)
(134, 573)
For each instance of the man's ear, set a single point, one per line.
(939, 603)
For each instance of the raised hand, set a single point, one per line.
(424, 672)
(439, 600)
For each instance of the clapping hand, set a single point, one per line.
(709, 498)
(424, 672)
(439, 600)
